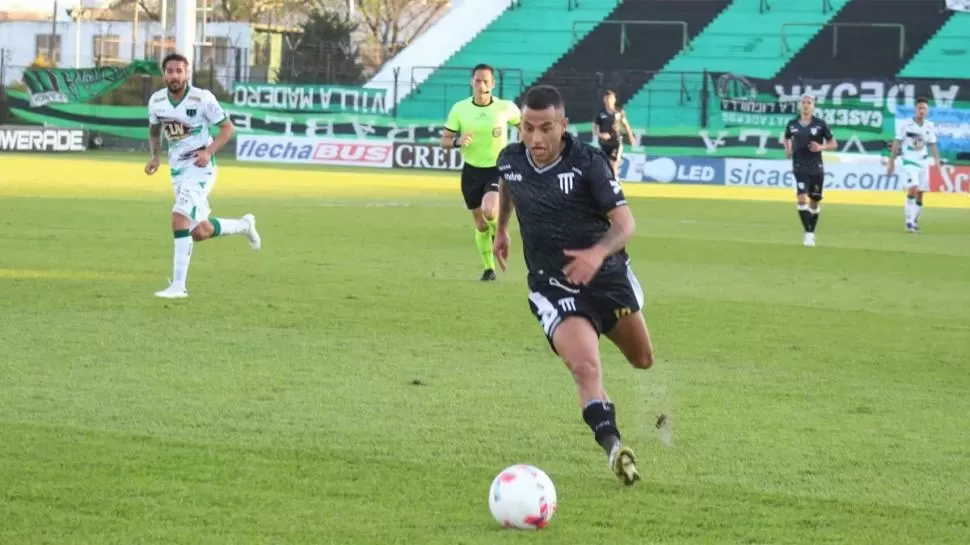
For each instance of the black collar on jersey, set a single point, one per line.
(491, 99)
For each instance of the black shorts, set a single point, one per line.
(603, 302)
(612, 148)
(476, 182)
(810, 184)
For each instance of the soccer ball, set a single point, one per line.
(523, 497)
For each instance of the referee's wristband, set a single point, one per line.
(456, 143)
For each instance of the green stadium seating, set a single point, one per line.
(523, 42)
(946, 55)
(742, 40)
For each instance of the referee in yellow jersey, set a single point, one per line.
(479, 127)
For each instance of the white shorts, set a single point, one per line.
(191, 186)
(917, 175)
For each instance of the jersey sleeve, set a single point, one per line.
(152, 117)
(453, 123)
(515, 115)
(503, 162)
(826, 132)
(605, 188)
(788, 131)
(901, 132)
(931, 135)
(212, 110)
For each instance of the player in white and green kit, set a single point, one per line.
(915, 139)
(479, 126)
(185, 114)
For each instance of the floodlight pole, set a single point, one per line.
(185, 14)
(161, 52)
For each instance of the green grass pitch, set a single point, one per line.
(353, 383)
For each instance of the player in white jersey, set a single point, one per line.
(185, 114)
(915, 140)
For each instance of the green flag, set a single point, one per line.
(74, 85)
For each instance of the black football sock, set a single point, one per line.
(600, 416)
(813, 221)
(805, 216)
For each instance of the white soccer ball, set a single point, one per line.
(523, 497)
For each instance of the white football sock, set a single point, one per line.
(230, 226)
(180, 263)
(911, 210)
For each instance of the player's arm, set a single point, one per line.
(788, 141)
(894, 152)
(609, 197)
(830, 142)
(934, 149)
(500, 246)
(936, 154)
(215, 115)
(226, 130)
(155, 138)
(505, 206)
(154, 142)
(515, 115)
(629, 130)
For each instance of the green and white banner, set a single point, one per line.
(331, 99)
(79, 85)
(777, 114)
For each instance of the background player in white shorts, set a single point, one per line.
(185, 114)
(914, 139)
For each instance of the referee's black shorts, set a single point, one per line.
(476, 182)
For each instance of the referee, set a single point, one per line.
(479, 126)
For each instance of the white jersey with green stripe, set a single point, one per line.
(186, 124)
(914, 138)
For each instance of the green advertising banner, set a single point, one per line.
(333, 99)
(131, 122)
(776, 114)
(79, 85)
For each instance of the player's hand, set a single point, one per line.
(890, 167)
(584, 265)
(500, 247)
(814, 147)
(464, 140)
(605, 136)
(151, 167)
(202, 158)
(787, 153)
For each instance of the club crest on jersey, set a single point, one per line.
(814, 131)
(191, 112)
(566, 180)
